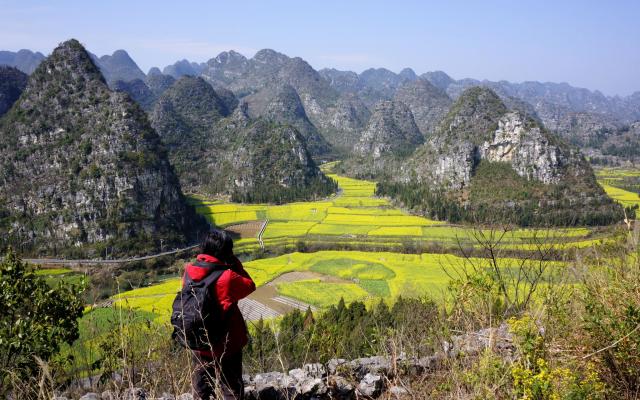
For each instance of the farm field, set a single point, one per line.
(353, 275)
(355, 215)
(621, 184)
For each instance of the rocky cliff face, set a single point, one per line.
(527, 149)
(485, 163)
(343, 123)
(391, 130)
(479, 127)
(82, 169)
(427, 103)
(12, 83)
(342, 81)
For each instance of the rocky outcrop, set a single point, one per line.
(273, 156)
(383, 81)
(342, 81)
(82, 169)
(527, 149)
(427, 103)
(268, 75)
(479, 128)
(226, 67)
(581, 128)
(391, 130)
(439, 79)
(487, 164)
(158, 83)
(12, 83)
(367, 377)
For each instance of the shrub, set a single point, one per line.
(35, 320)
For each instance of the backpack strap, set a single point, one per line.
(217, 271)
(208, 265)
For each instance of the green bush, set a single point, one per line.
(35, 320)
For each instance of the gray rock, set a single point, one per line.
(312, 387)
(334, 364)
(315, 370)
(298, 374)
(371, 385)
(185, 396)
(274, 385)
(371, 365)
(90, 396)
(340, 387)
(427, 103)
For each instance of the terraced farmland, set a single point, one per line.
(623, 185)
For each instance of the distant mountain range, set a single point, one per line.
(345, 99)
(255, 129)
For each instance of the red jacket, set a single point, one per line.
(233, 285)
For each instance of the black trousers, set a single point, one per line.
(218, 378)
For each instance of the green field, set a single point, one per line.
(622, 185)
(355, 215)
(359, 276)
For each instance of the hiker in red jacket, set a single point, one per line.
(221, 365)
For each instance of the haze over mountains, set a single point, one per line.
(256, 128)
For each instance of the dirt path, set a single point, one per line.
(266, 302)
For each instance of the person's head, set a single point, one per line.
(217, 243)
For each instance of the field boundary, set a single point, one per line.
(264, 227)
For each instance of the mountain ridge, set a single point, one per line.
(98, 175)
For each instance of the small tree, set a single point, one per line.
(36, 318)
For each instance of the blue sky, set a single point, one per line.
(592, 44)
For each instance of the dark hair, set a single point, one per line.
(217, 243)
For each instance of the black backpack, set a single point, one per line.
(197, 316)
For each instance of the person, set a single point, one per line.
(220, 366)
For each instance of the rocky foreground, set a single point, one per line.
(368, 377)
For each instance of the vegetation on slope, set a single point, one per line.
(81, 169)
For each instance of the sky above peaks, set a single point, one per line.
(592, 44)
